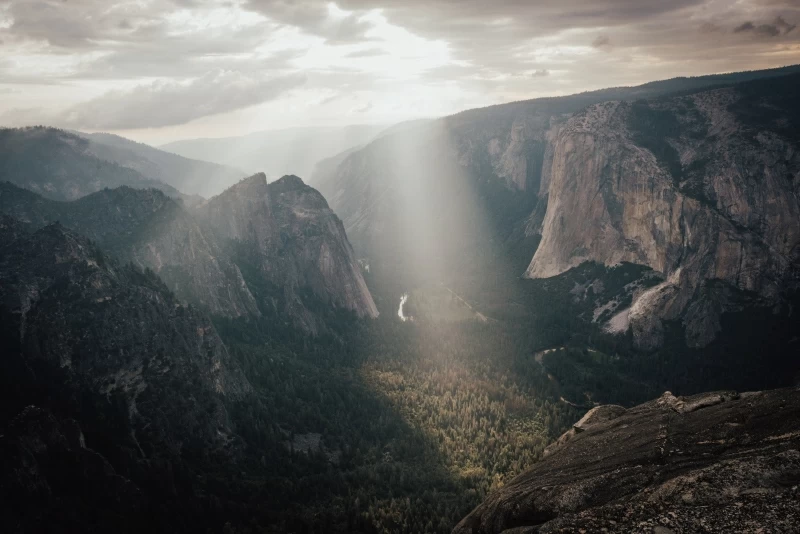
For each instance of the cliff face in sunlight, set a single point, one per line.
(293, 240)
(702, 188)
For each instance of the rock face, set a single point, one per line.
(62, 166)
(286, 233)
(151, 230)
(716, 462)
(702, 188)
(283, 235)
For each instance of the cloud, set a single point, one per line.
(778, 27)
(602, 41)
(367, 52)
(170, 103)
(783, 26)
(710, 27)
(465, 52)
(320, 18)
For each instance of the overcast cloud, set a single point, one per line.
(162, 69)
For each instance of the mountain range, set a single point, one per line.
(283, 235)
(190, 349)
(695, 178)
(277, 152)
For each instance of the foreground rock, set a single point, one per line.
(715, 462)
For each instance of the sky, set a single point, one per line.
(162, 70)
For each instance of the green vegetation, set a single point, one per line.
(417, 421)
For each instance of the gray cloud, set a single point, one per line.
(602, 41)
(493, 49)
(169, 103)
(778, 27)
(313, 17)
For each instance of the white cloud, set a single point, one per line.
(167, 103)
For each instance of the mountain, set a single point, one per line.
(61, 166)
(702, 188)
(713, 462)
(276, 152)
(255, 248)
(462, 199)
(190, 176)
(119, 389)
(289, 239)
(150, 230)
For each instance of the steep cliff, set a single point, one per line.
(702, 188)
(289, 239)
(149, 229)
(469, 192)
(714, 462)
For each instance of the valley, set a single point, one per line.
(450, 305)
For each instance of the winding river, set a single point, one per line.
(403, 300)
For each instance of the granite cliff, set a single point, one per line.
(695, 178)
(702, 188)
(288, 237)
(150, 230)
(293, 249)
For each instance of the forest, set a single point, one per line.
(395, 426)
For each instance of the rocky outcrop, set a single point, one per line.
(717, 462)
(286, 232)
(693, 187)
(151, 230)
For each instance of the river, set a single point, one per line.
(403, 300)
